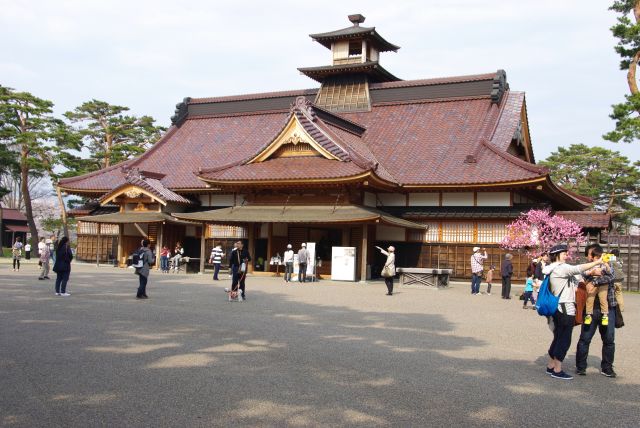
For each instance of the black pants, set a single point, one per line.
(216, 270)
(16, 262)
(142, 288)
(607, 334)
(389, 283)
(302, 272)
(563, 328)
(237, 279)
(506, 287)
(528, 296)
(61, 281)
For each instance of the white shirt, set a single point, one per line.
(288, 256)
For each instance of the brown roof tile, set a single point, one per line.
(588, 219)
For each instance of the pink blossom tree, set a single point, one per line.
(536, 231)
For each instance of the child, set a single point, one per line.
(598, 285)
(528, 291)
(164, 259)
(490, 279)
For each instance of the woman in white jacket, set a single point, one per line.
(562, 283)
(389, 269)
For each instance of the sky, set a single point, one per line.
(149, 55)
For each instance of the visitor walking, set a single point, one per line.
(16, 253)
(389, 269)
(146, 256)
(45, 257)
(27, 251)
(62, 266)
(41, 246)
(528, 292)
(506, 271)
(477, 268)
(239, 264)
(288, 263)
(303, 259)
(563, 284)
(216, 258)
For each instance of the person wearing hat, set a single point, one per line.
(563, 284)
(288, 263)
(477, 260)
(389, 269)
(303, 259)
(45, 256)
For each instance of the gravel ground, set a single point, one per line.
(324, 354)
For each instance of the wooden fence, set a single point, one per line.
(629, 247)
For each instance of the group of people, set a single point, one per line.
(601, 281)
(165, 256)
(303, 261)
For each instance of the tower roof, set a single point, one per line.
(355, 32)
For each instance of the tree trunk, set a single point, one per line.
(107, 151)
(63, 211)
(631, 75)
(26, 197)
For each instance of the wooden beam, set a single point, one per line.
(365, 244)
(202, 246)
(142, 232)
(251, 227)
(120, 237)
(159, 245)
(98, 247)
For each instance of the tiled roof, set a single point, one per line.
(429, 82)
(151, 185)
(351, 32)
(443, 142)
(588, 219)
(294, 168)
(12, 214)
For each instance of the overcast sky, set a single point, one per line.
(148, 55)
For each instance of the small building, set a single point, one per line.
(12, 224)
(432, 166)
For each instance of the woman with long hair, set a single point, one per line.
(62, 266)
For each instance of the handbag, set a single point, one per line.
(619, 319)
(388, 271)
(40, 263)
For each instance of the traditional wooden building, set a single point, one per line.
(433, 166)
(12, 224)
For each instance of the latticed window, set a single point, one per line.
(457, 232)
(430, 235)
(347, 93)
(86, 228)
(491, 233)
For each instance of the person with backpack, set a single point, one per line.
(144, 258)
(62, 266)
(563, 284)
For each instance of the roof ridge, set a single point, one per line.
(256, 95)
(432, 81)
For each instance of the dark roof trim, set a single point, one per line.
(371, 68)
(355, 32)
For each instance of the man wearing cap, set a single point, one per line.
(477, 260)
(288, 263)
(303, 259)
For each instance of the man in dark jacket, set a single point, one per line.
(143, 272)
(239, 263)
(506, 270)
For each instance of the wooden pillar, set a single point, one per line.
(252, 245)
(267, 265)
(159, 244)
(120, 238)
(202, 246)
(345, 236)
(98, 246)
(365, 245)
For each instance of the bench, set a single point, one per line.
(424, 276)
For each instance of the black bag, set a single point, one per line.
(619, 319)
(136, 260)
(40, 263)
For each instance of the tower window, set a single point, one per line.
(355, 48)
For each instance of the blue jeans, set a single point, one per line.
(216, 269)
(607, 334)
(164, 263)
(476, 280)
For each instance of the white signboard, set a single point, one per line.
(343, 263)
(311, 247)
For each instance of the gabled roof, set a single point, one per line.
(13, 214)
(152, 186)
(354, 32)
